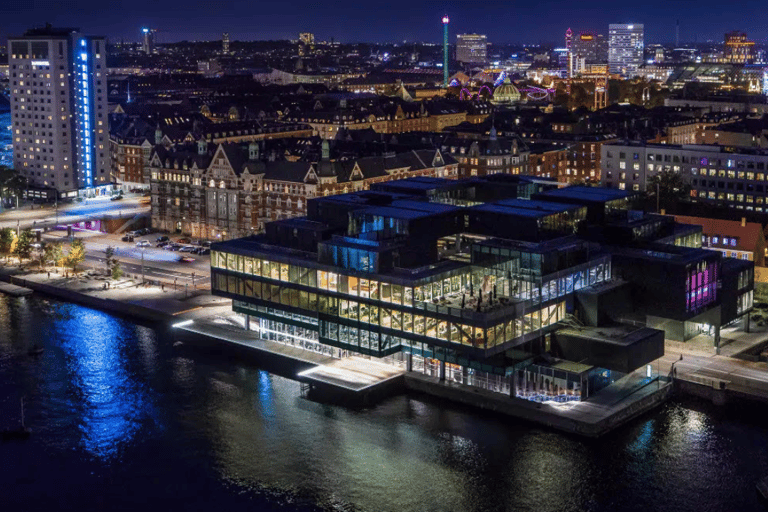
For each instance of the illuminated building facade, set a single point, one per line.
(148, 41)
(221, 191)
(726, 177)
(498, 282)
(471, 48)
(737, 49)
(587, 48)
(59, 105)
(225, 43)
(625, 48)
(307, 38)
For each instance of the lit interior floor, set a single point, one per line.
(353, 373)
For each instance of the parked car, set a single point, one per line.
(204, 251)
(162, 239)
(175, 247)
(143, 231)
(162, 244)
(187, 248)
(143, 243)
(127, 238)
(205, 243)
(116, 198)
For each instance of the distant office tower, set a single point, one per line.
(307, 38)
(471, 48)
(59, 104)
(225, 43)
(588, 48)
(625, 48)
(148, 43)
(737, 49)
(569, 56)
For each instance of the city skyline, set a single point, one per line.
(347, 22)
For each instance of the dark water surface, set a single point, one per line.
(124, 421)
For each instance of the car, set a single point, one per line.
(162, 244)
(116, 198)
(205, 243)
(143, 231)
(204, 251)
(143, 243)
(187, 248)
(127, 238)
(162, 239)
(36, 245)
(187, 259)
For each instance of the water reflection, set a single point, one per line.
(113, 403)
(195, 432)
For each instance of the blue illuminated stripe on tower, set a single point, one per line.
(84, 122)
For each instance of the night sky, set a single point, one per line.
(395, 20)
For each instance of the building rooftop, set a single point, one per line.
(582, 193)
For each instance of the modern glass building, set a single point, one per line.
(625, 48)
(476, 291)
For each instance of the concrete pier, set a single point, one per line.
(13, 290)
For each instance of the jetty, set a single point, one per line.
(14, 290)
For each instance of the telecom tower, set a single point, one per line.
(569, 55)
(446, 20)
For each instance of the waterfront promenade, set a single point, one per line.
(698, 373)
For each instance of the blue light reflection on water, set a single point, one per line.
(114, 403)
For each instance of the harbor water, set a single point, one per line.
(123, 420)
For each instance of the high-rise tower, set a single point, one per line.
(148, 41)
(471, 48)
(225, 43)
(446, 20)
(625, 48)
(59, 106)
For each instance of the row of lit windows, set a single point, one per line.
(414, 323)
(723, 196)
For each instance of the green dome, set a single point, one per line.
(505, 93)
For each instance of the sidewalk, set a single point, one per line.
(151, 302)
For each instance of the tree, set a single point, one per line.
(12, 184)
(117, 271)
(52, 252)
(113, 264)
(75, 256)
(23, 248)
(671, 190)
(7, 237)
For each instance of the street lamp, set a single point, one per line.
(142, 265)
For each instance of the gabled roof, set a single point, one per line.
(747, 236)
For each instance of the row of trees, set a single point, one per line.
(21, 246)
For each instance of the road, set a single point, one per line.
(71, 213)
(159, 264)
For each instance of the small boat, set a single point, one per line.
(20, 433)
(35, 351)
(762, 487)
